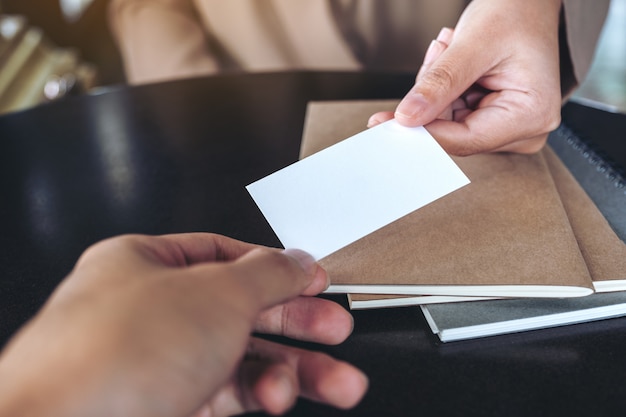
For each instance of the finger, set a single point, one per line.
(453, 72)
(192, 248)
(530, 145)
(266, 385)
(433, 52)
(272, 376)
(308, 319)
(326, 380)
(180, 249)
(445, 35)
(435, 49)
(447, 114)
(276, 389)
(460, 115)
(474, 95)
(459, 138)
(320, 377)
(378, 118)
(195, 248)
(499, 122)
(269, 277)
(381, 117)
(175, 250)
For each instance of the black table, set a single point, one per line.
(175, 157)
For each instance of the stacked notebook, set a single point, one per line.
(522, 247)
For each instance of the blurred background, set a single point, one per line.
(50, 49)
(78, 24)
(53, 48)
(605, 85)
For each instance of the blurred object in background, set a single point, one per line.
(80, 25)
(605, 85)
(33, 70)
(74, 9)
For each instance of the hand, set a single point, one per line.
(161, 326)
(502, 61)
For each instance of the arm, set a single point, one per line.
(161, 326)
(160, 40)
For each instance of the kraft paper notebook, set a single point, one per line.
(507, 234)
(372, 301)
(602, 249)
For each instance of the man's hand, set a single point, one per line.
(148, 326)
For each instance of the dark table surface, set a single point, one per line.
(175, 157)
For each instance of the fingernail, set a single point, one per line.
(286, 387)
(373, 121)
(445, 35)
(205, 411)
(434, 50)
(412, 105)
(284, 391)
(306, 261)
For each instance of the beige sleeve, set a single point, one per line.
(583, 21)
(158, 38)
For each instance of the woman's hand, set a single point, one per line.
(494, 80)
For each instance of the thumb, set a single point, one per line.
(438, 86)
(271, 277)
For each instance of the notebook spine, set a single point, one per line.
(595, 157)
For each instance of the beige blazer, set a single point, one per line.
(167, 39)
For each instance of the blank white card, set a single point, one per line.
(345, 192)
